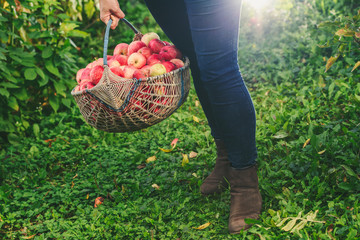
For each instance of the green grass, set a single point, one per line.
(48, 187)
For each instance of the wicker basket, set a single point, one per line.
(117, 104)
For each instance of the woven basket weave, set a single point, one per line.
(117, 104)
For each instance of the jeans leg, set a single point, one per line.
(172, 18)
(214, 29)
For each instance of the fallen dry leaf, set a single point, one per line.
(173, 145)
(98, 201)
(156, 186)
(151, 159)
(185, 159)
(202, 226)
(306, 142)
(29, 237)
(195, 119)
(197, 103)
(321, 152)
(192, 154)
(141, 166)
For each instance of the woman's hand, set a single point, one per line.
(110, 9)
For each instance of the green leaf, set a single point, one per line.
(47, 52)
(30, 74)
(14, 139)
(9, 85)
(327, 24)
(4, 92)
(60, 88)
(289, 225)
(43, 81)
(331, 89)
(21, 94)
(90, 8)
(12, 102)
(40, 72)
(36, 130)
(349, 171)
(299, 226)
(2, 56)
(51, 68)
(54, 102)
(352, 234)
(66, 102)
(78, 33)
(271, 212)
(280, 134)
(279, 224)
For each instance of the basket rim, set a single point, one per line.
(148, 79)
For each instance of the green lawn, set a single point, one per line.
(308, 138)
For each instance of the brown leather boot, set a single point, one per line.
(245, 198)
(216, 182)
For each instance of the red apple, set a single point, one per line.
(137, 60)
(135, 46)
(145, 93)
(90, 85)
(117, 71)
(85, 74)
(160, 90)
(178, 63)
(122, 59)
(145, 51)
(98, 62)
(146, 70)
(90, 65)
(78, 75)
(129, 72)
(178, 53)
(153, 59)
(113, 63)
(168, 53)
(167, 43)
(139, 74)
(96, 74)
(169, 66)
(77, 88)
(121, 48)
(157, 69)
(147, 37)
(86, 85)
(155, 45)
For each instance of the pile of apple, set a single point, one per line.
(143, 58)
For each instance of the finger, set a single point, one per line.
(105, 18)
(118, 13)
(115, 22)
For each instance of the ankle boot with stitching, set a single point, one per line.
(216, 182)
(245, 198)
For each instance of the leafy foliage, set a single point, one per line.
(346, 40)
(37, 62)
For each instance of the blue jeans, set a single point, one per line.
(207, 31)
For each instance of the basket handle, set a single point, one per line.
(107, 33)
